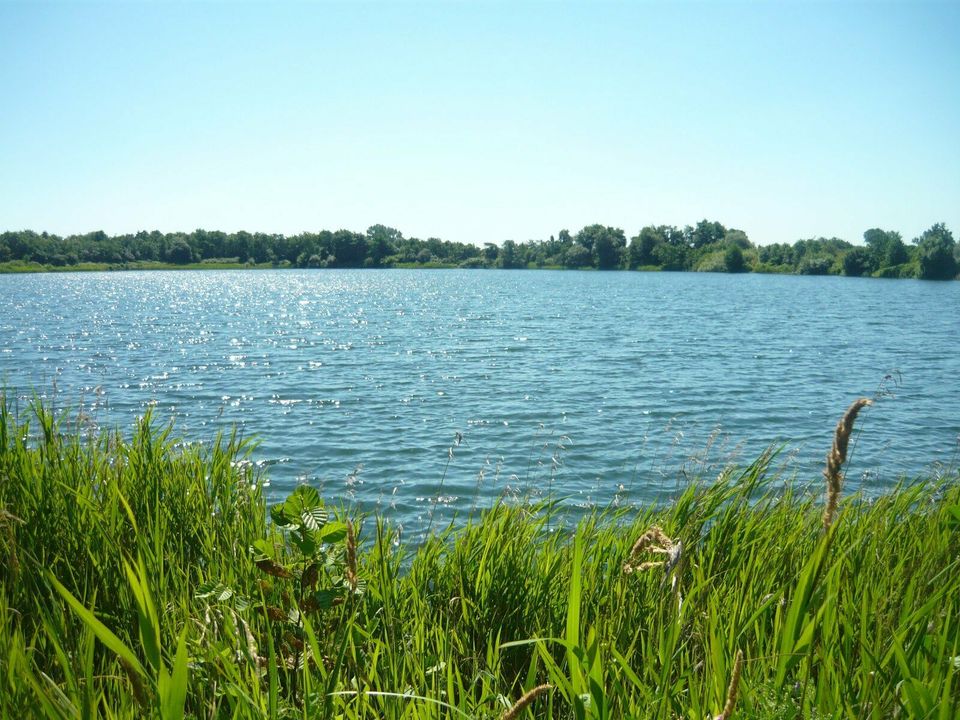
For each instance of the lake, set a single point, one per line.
(421, 391)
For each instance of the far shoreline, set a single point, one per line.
(16, 268)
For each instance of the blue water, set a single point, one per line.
(420, 392)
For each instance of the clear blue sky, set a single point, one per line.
(480, 121)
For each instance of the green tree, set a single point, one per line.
(349, 248)
(510, 256)
(577, 256)
(733, 260)
(640, 251)
(858, 261)
(382, 241)
(886, 248)
(815, 265)
(935, 254)
(606, 245)
(707, 233)
(179, 252)
(671, 256)
(738, 238)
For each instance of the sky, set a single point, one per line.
(480, 121)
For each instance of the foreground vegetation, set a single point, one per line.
(707, 247)
(143, 577)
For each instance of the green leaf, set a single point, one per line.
(103, 633)
(332, 532)
(954, 510)
(147, 618)
(300, 500)
(279, 516)
(794, 631)
(313, 518)
(218, 592)
(324, 599)
(304, 542)
(572, 635)
(262, 549)
(174, 695)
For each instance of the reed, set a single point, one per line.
(525, 700)
(732, 689)
(838, 456)
(150, 583)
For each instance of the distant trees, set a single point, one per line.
(733, 259)
(935, 254)
(180, 252)
(382, 242)
(604, 244)
(641, 247)
(857, 262)
(706, 233)
(886, 249)
(510, 255)
(577, 256)
(708, 246)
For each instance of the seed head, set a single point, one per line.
(732, 689)
(528, 697)
(351, 570)
(837, 456)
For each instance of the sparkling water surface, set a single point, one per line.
(420, 393)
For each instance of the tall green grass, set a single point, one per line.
(140, 577)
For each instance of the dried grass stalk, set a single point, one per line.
(837, 456)
(732, 689)
(528, 697)
(140, 692)
(351, 570)
(654, 540)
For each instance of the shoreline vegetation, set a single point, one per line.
(708, 246)
(146, 577)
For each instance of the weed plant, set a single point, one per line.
(145, 578)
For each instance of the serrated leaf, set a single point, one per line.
(304, 542)
(300, 500)
(205, 589)
(324, 599)
(218, 592)
(314, 518)
(262, 549)
(279, 516)
(332, 532)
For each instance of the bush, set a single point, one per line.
(733, 260)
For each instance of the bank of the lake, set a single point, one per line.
(707, 247)
(34, 267)
(143, 578)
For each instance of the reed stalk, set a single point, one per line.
(837, 457)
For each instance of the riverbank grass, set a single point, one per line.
(144, 577)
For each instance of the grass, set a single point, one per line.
(141, 577)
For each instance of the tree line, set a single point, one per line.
(708, 246)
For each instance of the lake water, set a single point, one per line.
(420, 392)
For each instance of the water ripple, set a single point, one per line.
(594, 386)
